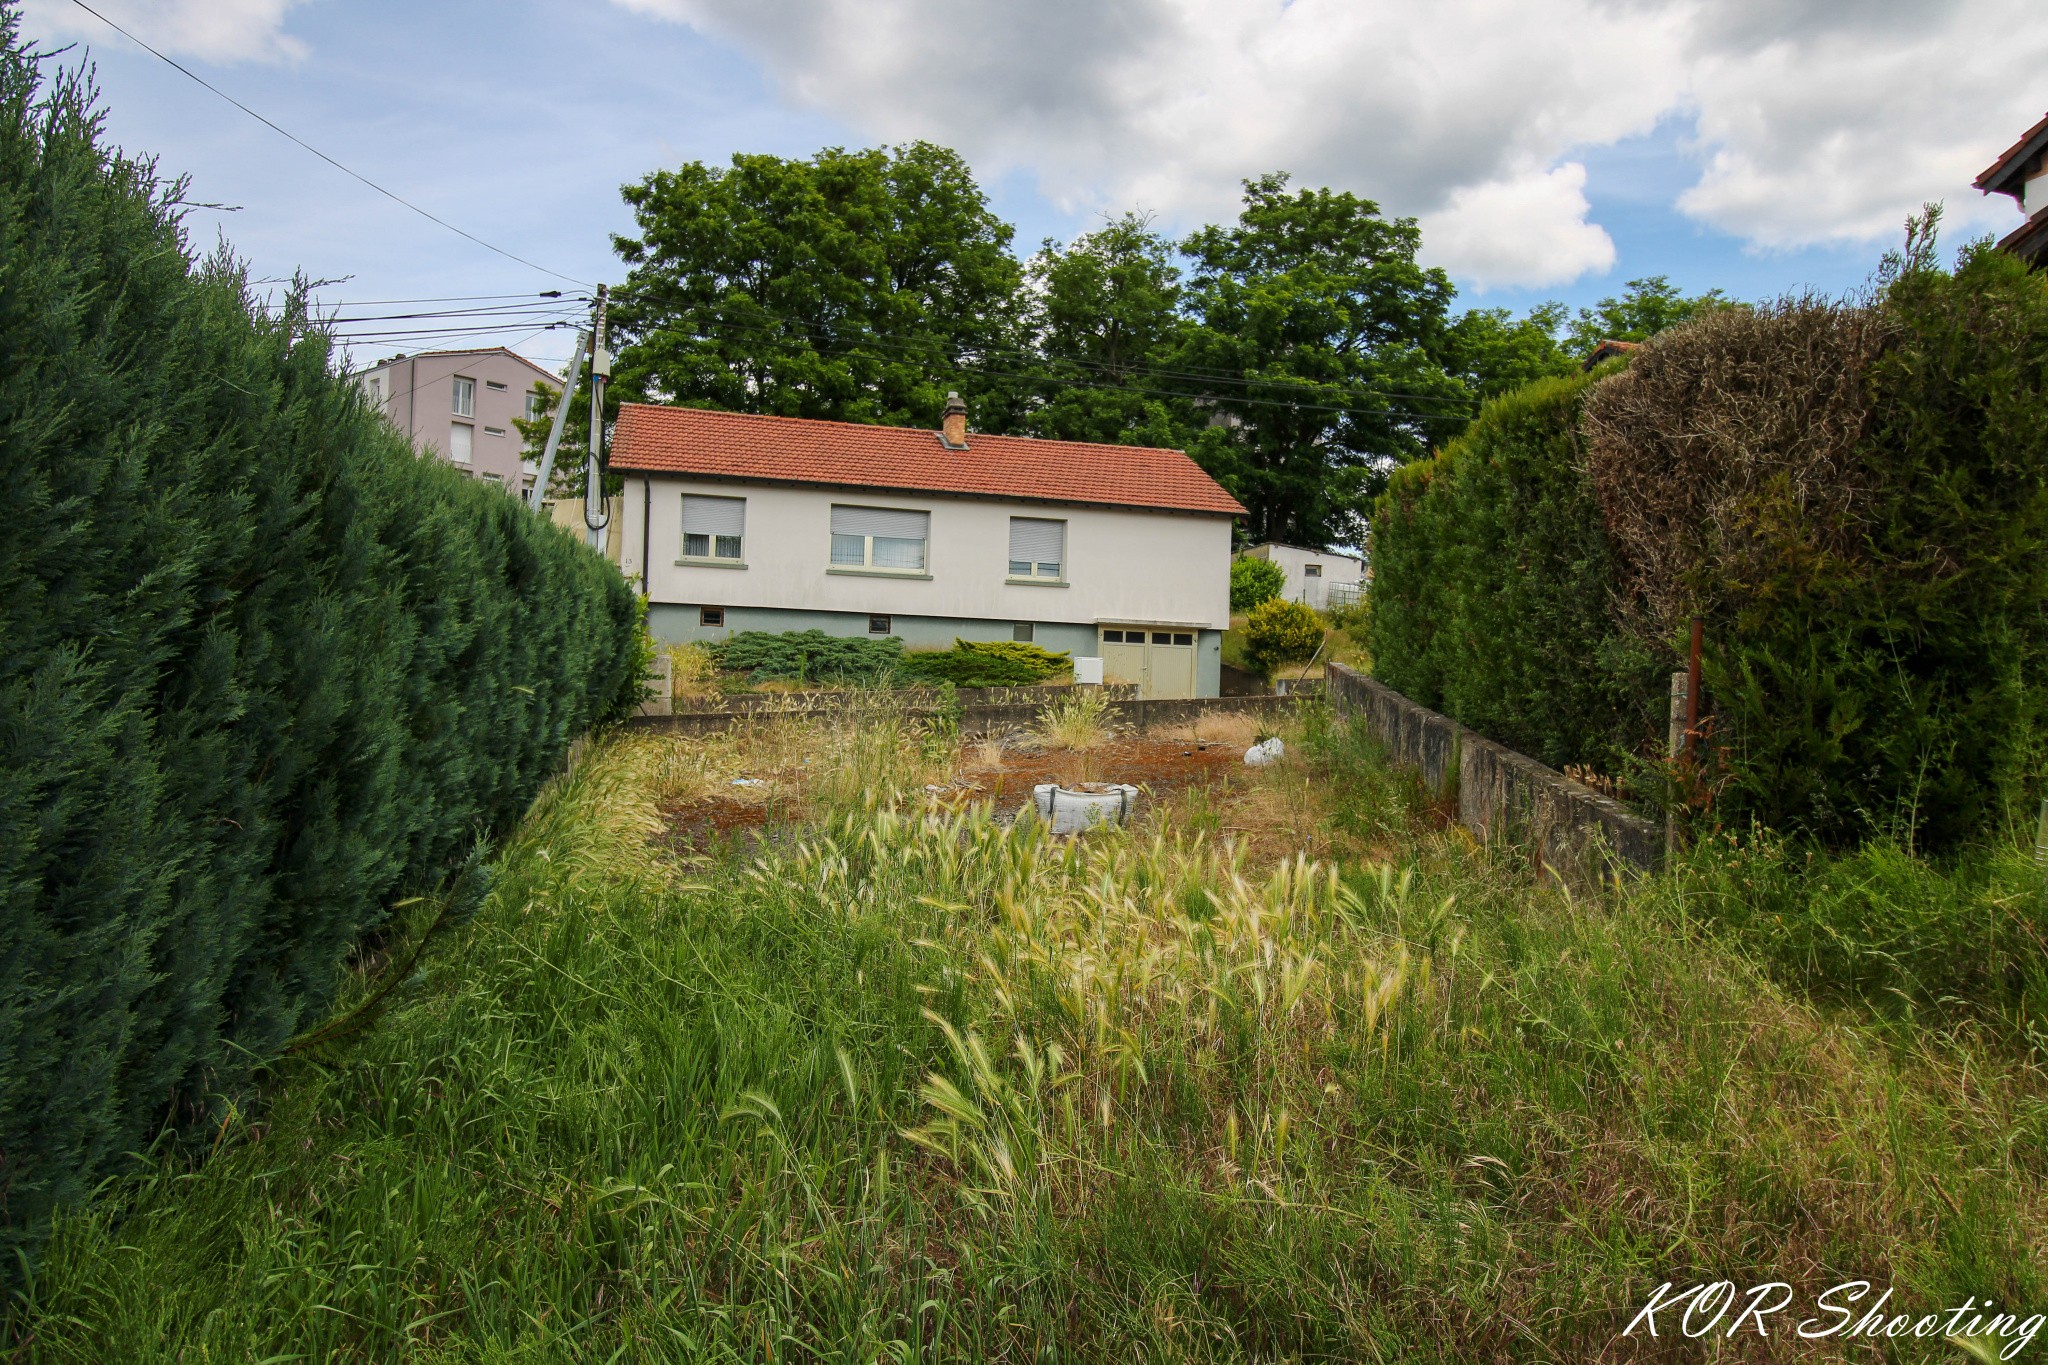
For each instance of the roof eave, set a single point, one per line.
(2011, 166)
(617, 466)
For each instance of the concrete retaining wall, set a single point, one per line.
(981, 718)
(1572, 829)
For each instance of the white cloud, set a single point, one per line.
(1835, 134)
(1530, 229)
(211, 30)
(1817, 120)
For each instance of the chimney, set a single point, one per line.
(953, 426)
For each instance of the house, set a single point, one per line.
(2023, 173)
(741, 522)
(1606, 350)
(1320, 578)
(460, 405)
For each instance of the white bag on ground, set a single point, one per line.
(1264, 752)
(1071, 811)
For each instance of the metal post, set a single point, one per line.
(1675, 744)
(547, 458)
(2041, 838)
(1692, 690)
(594, 516)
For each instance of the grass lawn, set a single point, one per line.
(1289, 1072)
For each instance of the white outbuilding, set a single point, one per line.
(1319, 578)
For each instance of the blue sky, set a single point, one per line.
(1755, 147)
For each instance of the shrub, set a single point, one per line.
(1865, 539)
(1280, 632)
(265, 670)
(1253, 581)
(964, 668)
(807, 656)
(1043, 662)
(1491, 588)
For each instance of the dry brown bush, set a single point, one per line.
(1724, 455)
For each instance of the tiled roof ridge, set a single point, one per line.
(932, 432)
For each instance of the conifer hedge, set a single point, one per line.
(1854, 499)
(263, 670)
(1491, 584)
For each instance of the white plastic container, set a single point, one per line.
(1087, 670)
(1072, 811)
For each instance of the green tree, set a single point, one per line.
(1104, 318)
(1319, 354)
(1494, 352)
(854, 285)
(1645, 308)
(1253, 581)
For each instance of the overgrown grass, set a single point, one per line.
(923, 1087)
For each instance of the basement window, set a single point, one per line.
(1022, 631)
(711, 617)
(1312, 571)
(879, 625)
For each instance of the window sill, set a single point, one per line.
(1036, 582)
(880, 573)
(697, 562)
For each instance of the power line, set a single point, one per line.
(449, 298)
(394, 198)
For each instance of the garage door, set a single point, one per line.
(1160, 662)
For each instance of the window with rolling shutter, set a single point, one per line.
(1038, 548)
(884, 538)
(714, 528)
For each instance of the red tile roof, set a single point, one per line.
(2003, 175)
(735, 445)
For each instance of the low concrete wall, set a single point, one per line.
(976, 719)
(1572, 829)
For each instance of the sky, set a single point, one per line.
(1551, 149)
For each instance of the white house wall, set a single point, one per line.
(1121, 565)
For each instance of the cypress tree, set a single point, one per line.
(263, 668)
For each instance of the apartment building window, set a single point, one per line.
(533, 406)
(1038, 548)
(711, 617)
(465, 397)
(881, 538)
(494, 386)
(498, 479)
(714, 528)
(879, 625)
(461, 438)
(375, 384)
(494, 431)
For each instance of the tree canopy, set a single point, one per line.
(1299, 353)
(854, 285)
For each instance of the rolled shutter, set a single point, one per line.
(879, 521)
(1037, 540)
(714, 516)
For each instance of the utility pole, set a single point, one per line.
(594, 516)
(547, 458)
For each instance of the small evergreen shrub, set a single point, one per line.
(965, 668)
(1280, 632)
(807, 656)
(986, 663)
(1253, 581)
(264, 670)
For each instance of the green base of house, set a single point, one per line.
(670, 623)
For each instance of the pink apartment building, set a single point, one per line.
(460, 405)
